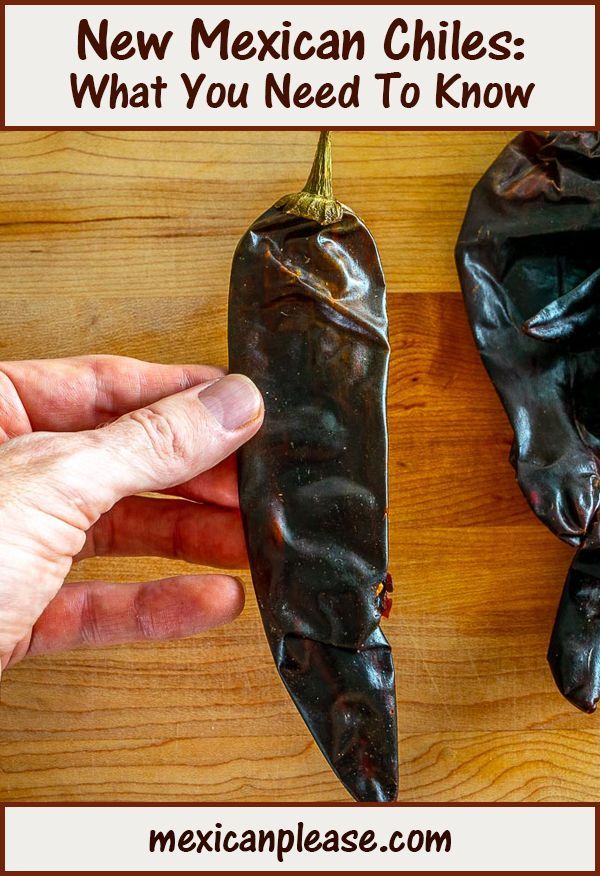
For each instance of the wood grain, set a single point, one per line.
(120, 242)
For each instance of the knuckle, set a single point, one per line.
(146, 627)
(90, 619)
(166, 439)
(144, 614)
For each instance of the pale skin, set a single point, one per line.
(69, 490)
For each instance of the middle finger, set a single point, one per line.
(173, 528)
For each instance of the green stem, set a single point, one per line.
(316, 201)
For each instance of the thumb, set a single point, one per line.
(166, 443)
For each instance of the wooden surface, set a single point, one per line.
(121, 243)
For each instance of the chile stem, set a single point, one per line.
(316, 201)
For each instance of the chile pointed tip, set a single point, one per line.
(365, 790)
(574, 650)
(584, 696)
(368, 768)
(577, 683)
(347, 699)
(583, 700)
(370, 777)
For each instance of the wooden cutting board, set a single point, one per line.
(121, 242)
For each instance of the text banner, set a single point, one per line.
(247, 838)
(300, 66)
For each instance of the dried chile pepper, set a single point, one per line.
(308, 323)
(529, 262)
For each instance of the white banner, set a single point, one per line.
(300, 65)
(349, 838)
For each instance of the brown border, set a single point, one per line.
(4, 127)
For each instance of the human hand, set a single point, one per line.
(67, 491)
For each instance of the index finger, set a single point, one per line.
(82, 392)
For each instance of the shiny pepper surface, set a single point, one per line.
(529, 261)
(307, 322)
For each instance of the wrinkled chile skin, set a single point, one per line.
(307, 323)
(528, 256)
(575, 639)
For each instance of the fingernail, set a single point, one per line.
(234, 401)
